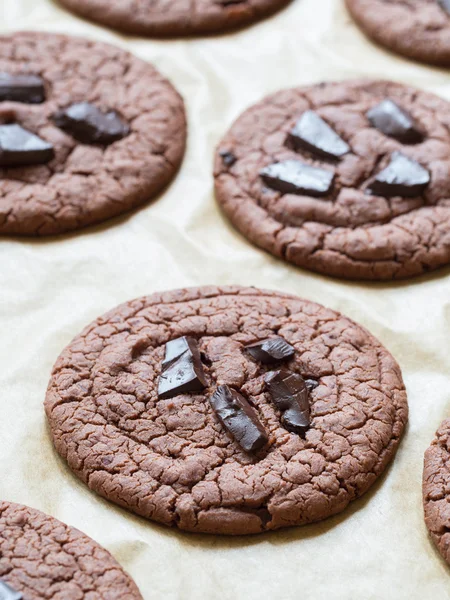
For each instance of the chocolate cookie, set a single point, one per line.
(150, 18)
(87, 132)
(417, 29)
(349, 179)
(226, 410)
(436, 489)
(42, 558)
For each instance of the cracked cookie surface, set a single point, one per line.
(87, 183)
(348, 233)
(45, 559)
(184, 17)
(417, 29)
(436, 489)
(172, 461)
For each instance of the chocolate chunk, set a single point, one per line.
(395, 122)
(228, 158)
(293, 176)
(19, 147)
(445, 5)
(7, 592)
(239, 418)
(402, 177)
(312, 133)
(182, 369)
(311, 384)
(22, 88)
(290, 395)
(271, 350)
(89, 125)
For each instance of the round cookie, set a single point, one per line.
(337, 208)
(169, 447)
(417, 29)
(42, 558)
(150, 18)
(436, 489)
(94, 176)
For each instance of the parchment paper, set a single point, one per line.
(49, 289)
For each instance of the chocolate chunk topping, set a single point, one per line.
(19, 147)
(239, 418)
(311, 384)
(293, 176)
(89, 125)
(312, 133)
(271, 350)
(228, 158)
(445, 4)
(289, 393)
(402, 177)
(182, 369)
(395, 122)
(22, 88)
(7, 592)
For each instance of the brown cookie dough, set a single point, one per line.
(150, 18)
(171, 460)
(44, 559)
(87, 183)
(349, 232)
(417, 29)
(436, 489)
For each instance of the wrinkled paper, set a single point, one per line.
(378, 549)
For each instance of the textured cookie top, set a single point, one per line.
(418, 29)
(43, 559)
(436, 489)
(349, 231)
(87, 183)
(171, 460)
(183, 17)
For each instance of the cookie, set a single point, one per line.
(42, 558)
(226, 410)
(436, 489)
(348, 179)
(87, 132)
(149, 18)
(417, 29)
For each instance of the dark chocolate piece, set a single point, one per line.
(8, 593)
(312, 133)
(402, 177)
(228, 158)
(295, 177)
(28, 89)
(182, 369)
(395, 122)
(89, 125)
(290, 395)
(19, 147)
(271, 350)
(445, 5)
(311, 384)
(239, 418)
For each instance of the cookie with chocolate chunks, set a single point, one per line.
(108, 131)
(230, 458)
(348, 179)
(416, 29)
(42, 558)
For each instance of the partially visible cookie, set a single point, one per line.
(87, 132)
(417, 29)
(159, 18)
(436, 489)
(227, 410)
(350, 179)
(41, 558)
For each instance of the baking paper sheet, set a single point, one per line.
(49, 289)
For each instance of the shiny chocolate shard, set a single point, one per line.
(289, 393)
(8, 593)
(239, 418)
(19, 147)
(28, 89)
(395, 122)
(271, 350)
(182, 369)
(313, 134)
(89, 125)
(402, 177)
(295, 177)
